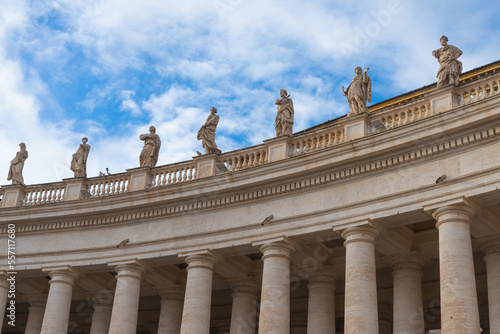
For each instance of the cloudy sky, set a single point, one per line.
(107, 69)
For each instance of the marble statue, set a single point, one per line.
(358, 92)
(79, 160)
(284, 118)
(16, 166)
(450, 67)
(151, 150)
(207, 133)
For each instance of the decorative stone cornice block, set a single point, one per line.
(73, 187)
(442, 99)
(140, 178)
(278, 148)
(205, 165)
(13, 195)
(356, 126)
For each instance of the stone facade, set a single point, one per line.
(341, 228)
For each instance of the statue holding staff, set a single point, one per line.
(358, 92)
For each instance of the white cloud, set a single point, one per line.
(167, 62)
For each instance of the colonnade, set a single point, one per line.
(187, 311)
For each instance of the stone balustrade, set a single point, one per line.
(478, 90)
(44, 193)
(416, 106)
(108, 185)
(241, 159)
(317, 140)
(171, 174)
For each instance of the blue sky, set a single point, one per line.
(108, 69)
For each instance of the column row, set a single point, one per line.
(188, 311)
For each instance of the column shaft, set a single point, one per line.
(459, 307)
(321, 303)
(103, 307)
(126, 301)
(275, 296)
(4, 288)
(361, 314)
(56, 317)
(492, 260)
(244, 309)
(35, 316)
(198, 299)
(172, 300)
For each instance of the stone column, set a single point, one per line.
(223, 326)
(492, 259)
(361, 314)
(459, 308)
(298, 324)
(56, 317)
(103, 307)
(408, 314)
(244, 309)
(172, 300)
(35, 316)
(385, 320)
(274, 314)
(126, 302)
(198, 299)
(4, 289)
(321, 309)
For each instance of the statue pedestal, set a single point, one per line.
(140, 178)
(356, 126)
(205, 165)
(278, 148)
(13, 195)
(73, 187)
(442, 99)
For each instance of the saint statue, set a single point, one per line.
(358, 92)
(151, 150)
(284, 118)
(207, 133)
(450, 67)
(79, 160)
(16, 166)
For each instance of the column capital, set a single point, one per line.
(63, 274)
(245, 286)
(103, 298)
(276, 247)
(453, 213)
(129, 268)
(37, 300)
(171, 292)
(491, 245)
(204, 259)
(360, 233)
(411, 260)
(326, 274)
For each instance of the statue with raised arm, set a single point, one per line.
(79, 160)
(358, 92)
(284, 118)
(16, 166)
(449, 66)
(207, 133)
(151, 150)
